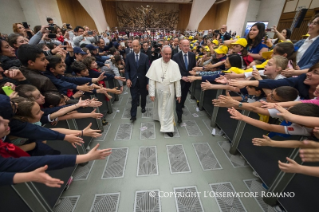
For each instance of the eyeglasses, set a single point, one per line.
(272, 96)
(313, 23)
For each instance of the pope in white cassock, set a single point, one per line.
(164, 84)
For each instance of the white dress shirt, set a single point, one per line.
(304, 48)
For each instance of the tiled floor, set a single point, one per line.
(145, 163)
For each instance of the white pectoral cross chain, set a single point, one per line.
(163, 77)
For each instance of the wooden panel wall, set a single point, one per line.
(109, 8)
(183, 16)
(215, 17)
(73, 13)
(286, 20)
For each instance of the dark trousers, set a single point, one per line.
(179, 106)
(136, 91)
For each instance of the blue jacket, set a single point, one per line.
(64, 83)
(95, 74)
(25, 129)
(311, 55)
(296, 82)
(44, 118)
(10, 166)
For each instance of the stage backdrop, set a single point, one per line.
(130, 14)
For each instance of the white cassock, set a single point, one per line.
(164, 84)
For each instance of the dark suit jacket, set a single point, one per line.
(178, 58)
(132, 71)
(148, 53)
(174, 51)
(127, 50)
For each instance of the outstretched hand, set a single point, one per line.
(40, 176)
(91, 133)
(98, 154)
(291, 167)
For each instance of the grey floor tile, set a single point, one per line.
(227, 202)
(186, 112)
(176, 133)
(126, 113)
(206, 157)
(148, 113)
(147, 131)
(200, 113)
(207, 124)
(192, 101)
(192, 128)
(115, 112)
(147, 161)
(83, 172)
(106, 202)
(115, 164)
(119, 102)
(254, 185)
(106, 130)
(177, 159)
(147, 201)
(236, 160)
(67, 204)
(149, 102)
(124, 132)
(188, 199)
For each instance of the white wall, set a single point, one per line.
(235, 22)
(48, 8)
(252, 12)
(270, 10)
(10, 13)
(30, 12)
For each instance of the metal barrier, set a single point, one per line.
(38, 197)
(264, 160)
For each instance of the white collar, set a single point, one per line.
(184, 53)
(312, 39)
(137, 53)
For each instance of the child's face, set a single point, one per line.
(94, 65)
(218, 56)
(227, 63)
(36, 113)
(62, 102)
(84, 73)
(237, 48)
(4, 127)
(271, 67)
(272, 97)
(38, 97)
(252, 91)
(59, 69)
(39, 64)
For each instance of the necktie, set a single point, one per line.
(136, 59)
(185, 60)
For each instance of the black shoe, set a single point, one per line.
(138, 104)
(170, 134)
(179, 120)
(143, 110)
(104, 122)
(133, 119)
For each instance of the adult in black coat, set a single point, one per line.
(186, 62)
(136, 67)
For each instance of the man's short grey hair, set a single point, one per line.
(165, 46)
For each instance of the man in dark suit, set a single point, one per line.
(186, 62)
(176, 47)
(136, 67)
(146, 50)
(129, 48)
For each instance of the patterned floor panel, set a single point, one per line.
(66, 204)
(228, 202)
(106, 202)
(187, 199)
(115, 165)
(147, 161)
(192, 128)
(206, 157)
(147, 201)
(83, 172)
(177, 159)
(147, 131)
(124, 132)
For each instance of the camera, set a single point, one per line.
(25, 25)
(157, 47)
(68, 26)
(90, 32)
(52, 35)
